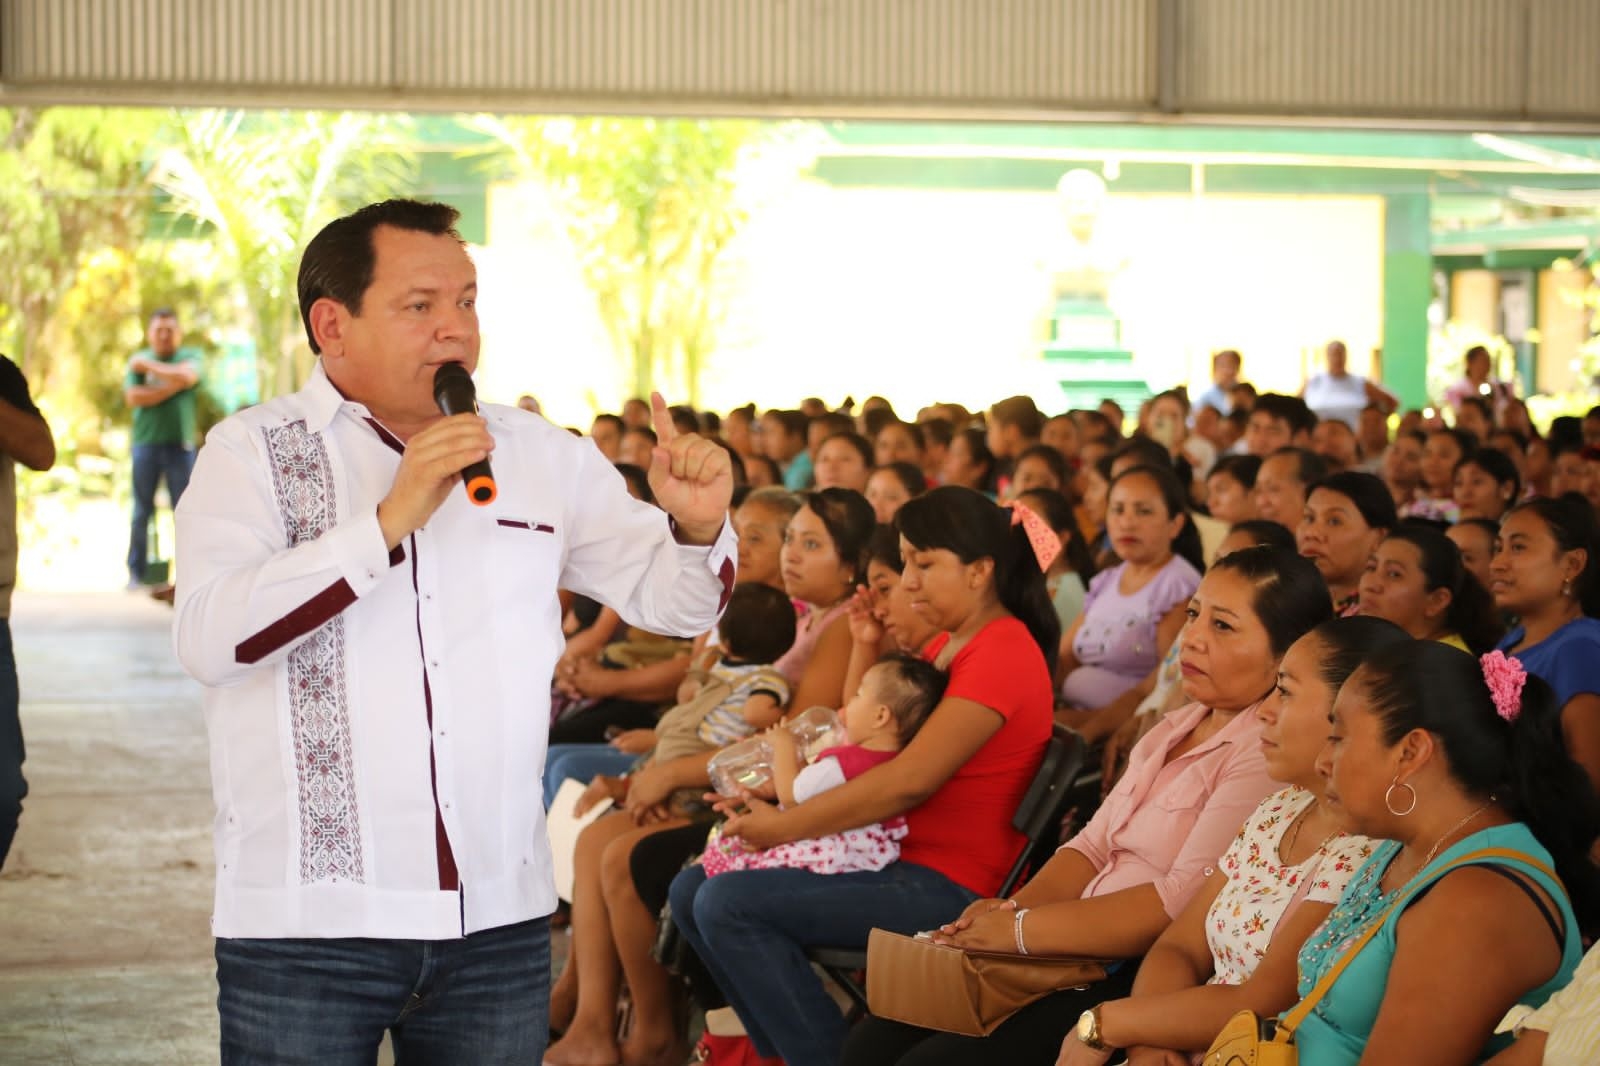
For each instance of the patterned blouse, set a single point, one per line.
(1260, 889)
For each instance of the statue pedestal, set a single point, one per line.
(1086, 356)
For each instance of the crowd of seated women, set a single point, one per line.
(1320, 667)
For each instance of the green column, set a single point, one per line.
(1407, 292)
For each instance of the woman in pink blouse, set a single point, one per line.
(1116, 886)
(1233, 947)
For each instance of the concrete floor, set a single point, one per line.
(105, 901)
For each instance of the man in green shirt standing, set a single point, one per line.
(160, 387)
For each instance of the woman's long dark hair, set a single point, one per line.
(1187, 542)
(1057, 512)
(1472, 614)
(1525, 764)
(1571, 521)
(968, 524)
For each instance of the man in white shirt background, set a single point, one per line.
(1218, 396)
(377, 652)
(1337, 393)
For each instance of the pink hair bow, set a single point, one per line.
(1505, 678)
(1046, 545)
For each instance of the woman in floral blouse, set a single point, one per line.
(1233, 947)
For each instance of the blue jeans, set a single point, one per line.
(581, 762)
(152, 462)
(483, 1000)
(752, 928)
(13, 787)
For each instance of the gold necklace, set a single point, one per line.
(1294, 830)
(1437, 844)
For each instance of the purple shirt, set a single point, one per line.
(1116, 644)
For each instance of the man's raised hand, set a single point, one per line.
(692, 478)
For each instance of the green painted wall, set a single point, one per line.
(1407, 292)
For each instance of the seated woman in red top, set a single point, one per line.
(974, 576)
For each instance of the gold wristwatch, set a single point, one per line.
(1089, 1030)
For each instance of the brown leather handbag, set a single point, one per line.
(913, 980)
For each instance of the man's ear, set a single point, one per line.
(328, 321)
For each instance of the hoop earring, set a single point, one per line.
(1389, 803)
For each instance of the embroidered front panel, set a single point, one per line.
(330, 827)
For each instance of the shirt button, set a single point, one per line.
(434, 663)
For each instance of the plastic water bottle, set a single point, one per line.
(748, 764)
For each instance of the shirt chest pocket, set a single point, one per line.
(524, 557)
(1182, 795)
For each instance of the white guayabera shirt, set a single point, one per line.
(378, 720)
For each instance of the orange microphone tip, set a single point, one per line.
(482, 490)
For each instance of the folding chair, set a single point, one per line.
(1038, 818)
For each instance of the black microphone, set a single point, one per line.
(455, 394)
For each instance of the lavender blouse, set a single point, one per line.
(1116, 644)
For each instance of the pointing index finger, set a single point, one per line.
(662, 419)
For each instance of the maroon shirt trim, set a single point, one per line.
(310, 615)
(725, 575)
(384, 435)
(449, 876)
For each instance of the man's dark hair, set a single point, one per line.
(339, 261)
(1291, 410)
(1019, 411)
(163, 312)
(1309, 466)
(610, 420)
(643, 431)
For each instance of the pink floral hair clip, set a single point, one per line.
(1505, 678)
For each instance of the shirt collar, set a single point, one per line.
(1185, 719)
(322, 400)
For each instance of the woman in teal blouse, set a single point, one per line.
(1443, 755)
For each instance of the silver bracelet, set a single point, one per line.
(1022, 947)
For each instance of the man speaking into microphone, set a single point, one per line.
(376, 649)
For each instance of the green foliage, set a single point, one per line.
(261, 185)
(1447, 348)
(72, 182)
(651, 206)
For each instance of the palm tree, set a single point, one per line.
(262, 185)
